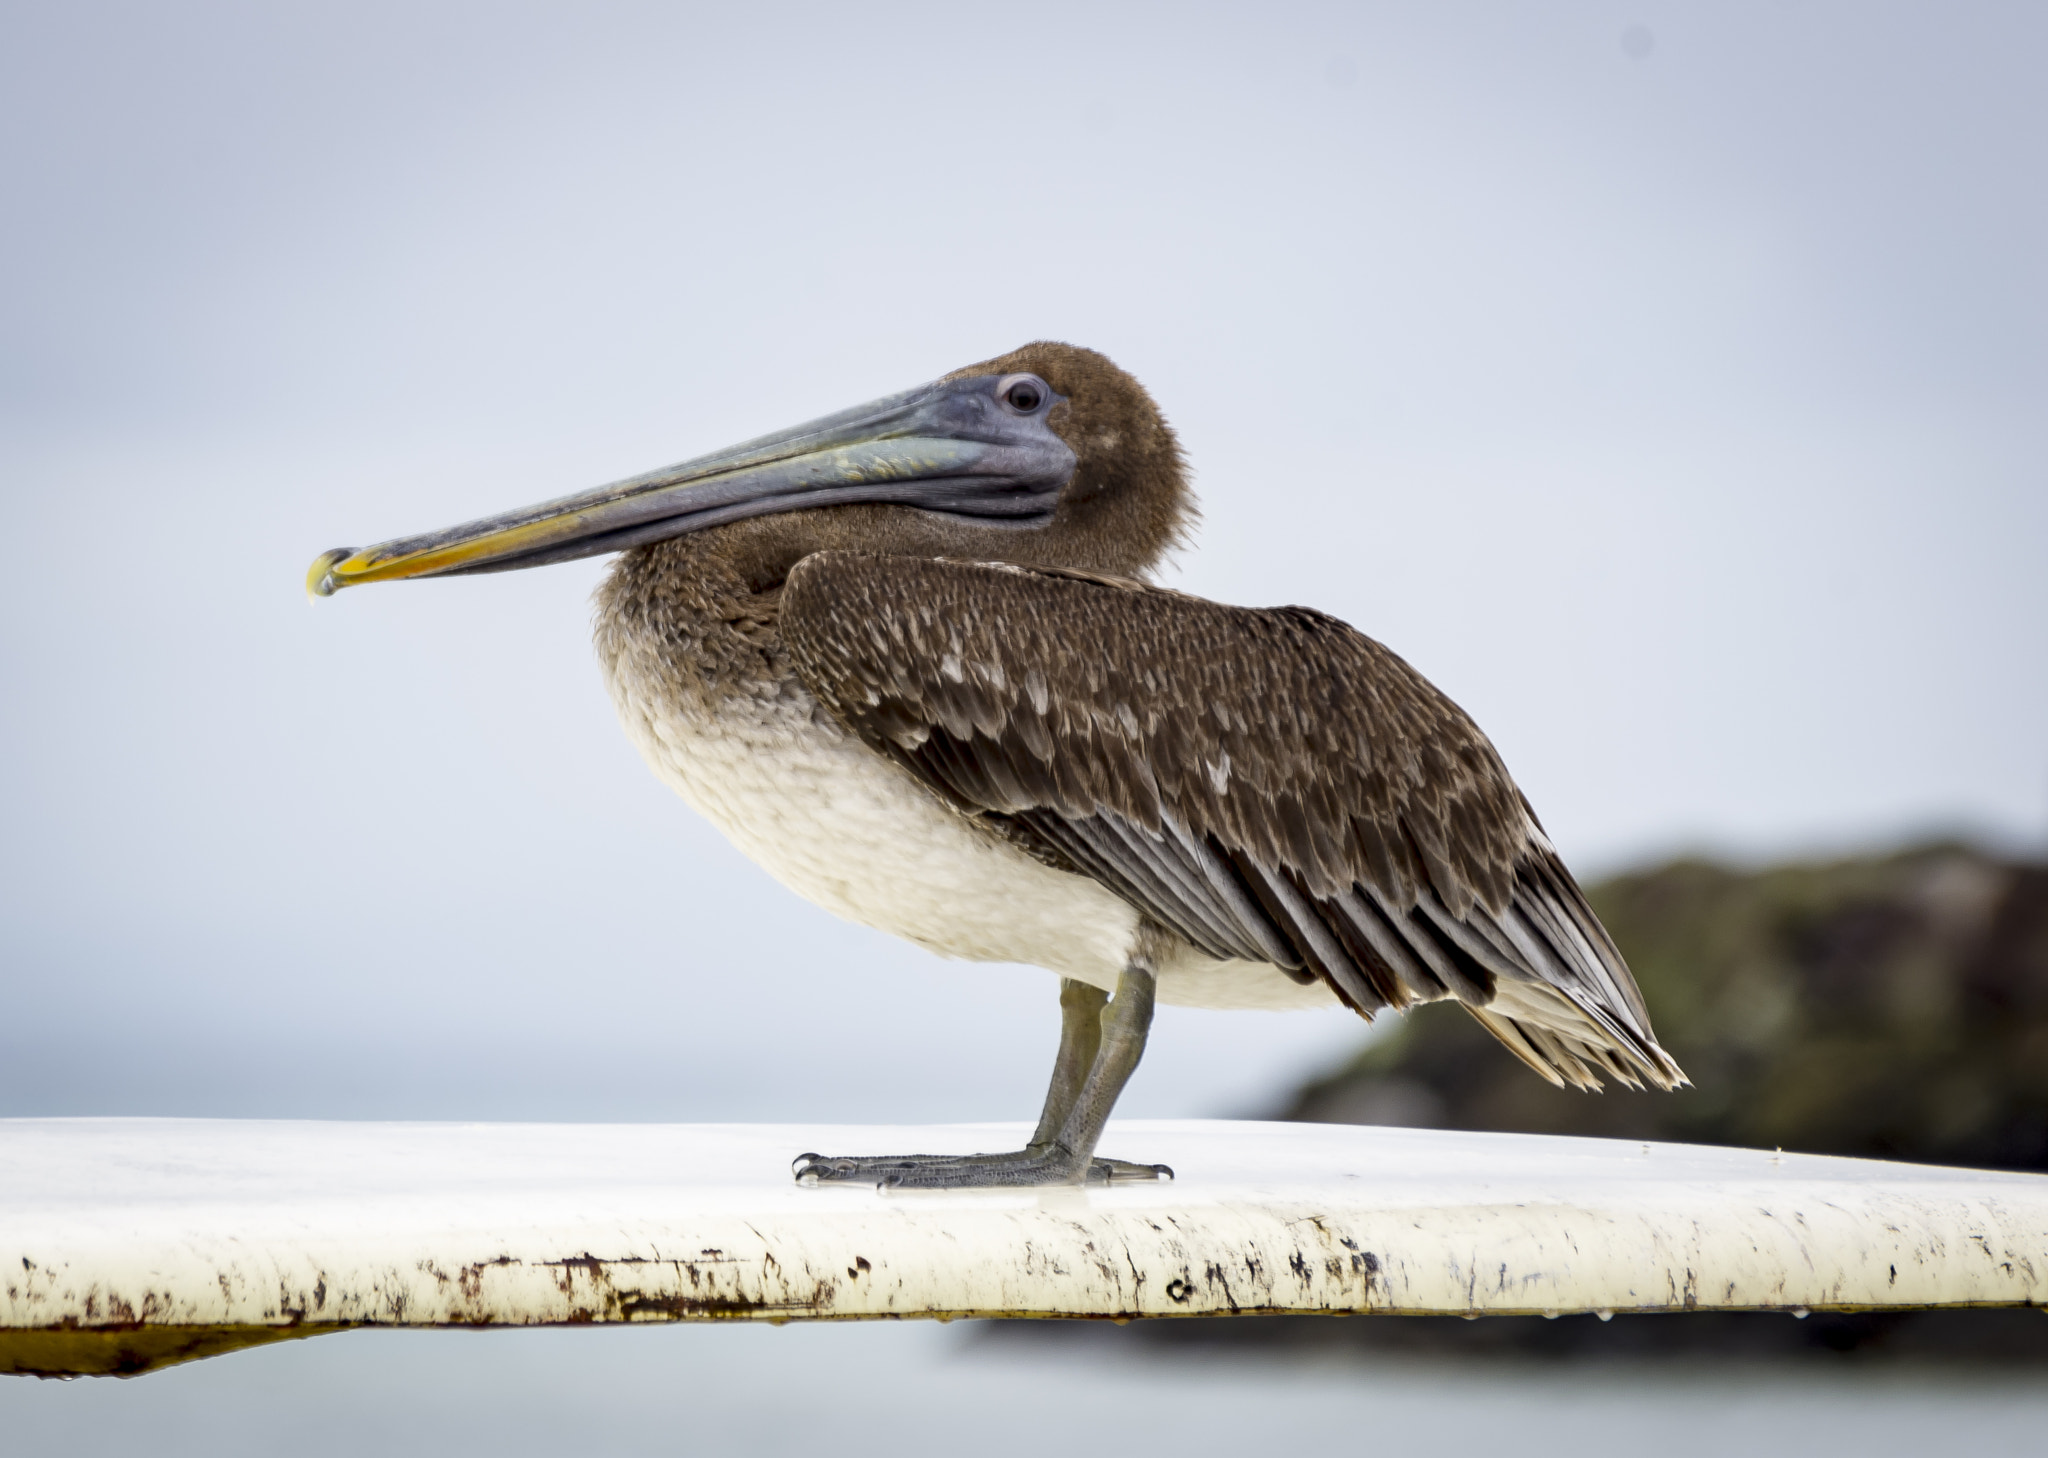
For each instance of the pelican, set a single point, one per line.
(909, 658)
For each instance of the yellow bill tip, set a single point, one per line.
(320, 580)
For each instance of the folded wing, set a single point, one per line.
(1269, 783)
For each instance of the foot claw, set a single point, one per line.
(1123, 1172)
(815, 1169)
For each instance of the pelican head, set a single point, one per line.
(1049, 454)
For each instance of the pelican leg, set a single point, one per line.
(1081, 1008)
(1101, 1041)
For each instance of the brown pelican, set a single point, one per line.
(908, 659)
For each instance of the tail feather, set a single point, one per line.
(1569, 1043)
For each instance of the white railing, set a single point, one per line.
(130, 1243)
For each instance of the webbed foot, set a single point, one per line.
(1021, 1167)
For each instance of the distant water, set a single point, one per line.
(921, 1387)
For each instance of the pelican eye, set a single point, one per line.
(1022, 393)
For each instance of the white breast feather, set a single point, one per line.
(839, 825)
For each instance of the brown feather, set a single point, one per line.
(1362, 827)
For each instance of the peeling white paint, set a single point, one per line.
(109, 1223)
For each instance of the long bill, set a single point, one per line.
(959, 447)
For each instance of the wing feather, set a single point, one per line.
(1182, 888)
(1368, 923)
(1263, 940)
(1268, 783)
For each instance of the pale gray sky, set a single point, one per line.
(1665, 380)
